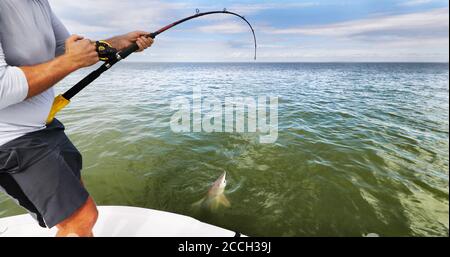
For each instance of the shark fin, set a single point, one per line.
(199, 203)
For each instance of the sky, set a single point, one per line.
(287, 31)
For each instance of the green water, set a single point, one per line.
(362, 148)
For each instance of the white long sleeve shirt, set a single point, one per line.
(30, 34)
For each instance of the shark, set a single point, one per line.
(215, 196)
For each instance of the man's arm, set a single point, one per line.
(43, 76)
(20, 83)
(79, 53)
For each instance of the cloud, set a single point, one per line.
(255, 8)
(346, 51)
(421, 36)
(415, 2)
(226, 28)
(436, 21)
(104, 16)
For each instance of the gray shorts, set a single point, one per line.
(41, 172)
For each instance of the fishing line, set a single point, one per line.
(111, 56)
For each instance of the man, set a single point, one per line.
(39, 166)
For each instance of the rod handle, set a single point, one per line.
(58, 104)
(132, 48)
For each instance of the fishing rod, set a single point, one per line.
(111, 56)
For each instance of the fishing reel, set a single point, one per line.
(105, 51)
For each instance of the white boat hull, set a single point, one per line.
(117, 221)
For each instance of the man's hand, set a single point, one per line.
(138, 37)
(80, 52)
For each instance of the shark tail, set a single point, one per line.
(218, 201)
(212, 204)
(222, 199)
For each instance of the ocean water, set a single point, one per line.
(362, 148)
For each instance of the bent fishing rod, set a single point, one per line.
(111, 57)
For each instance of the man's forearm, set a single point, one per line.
(116, 42)
(79, 53)
(43, 76)
(124, 41)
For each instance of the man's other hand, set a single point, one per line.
(81, 52)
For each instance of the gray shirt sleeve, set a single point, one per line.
(13, 83)
(61, 34)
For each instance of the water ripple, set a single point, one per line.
(362, 148)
